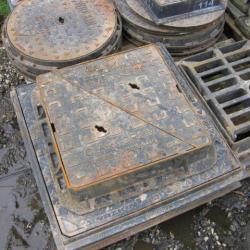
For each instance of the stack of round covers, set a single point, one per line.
(181, 37)
(40, 36)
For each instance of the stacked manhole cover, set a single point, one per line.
(120, 144)
(222, 78)
(190, 26)
(40, 36)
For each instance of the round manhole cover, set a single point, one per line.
(61, 30)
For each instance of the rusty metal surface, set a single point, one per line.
(61, 30)
(101, 135)
(31, 69)
(221, 76)
(95, 217)
(38, 40)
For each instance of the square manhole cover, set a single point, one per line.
(120, 144)
(118, 115)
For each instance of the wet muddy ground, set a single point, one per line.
(222, 224)
(23, 222)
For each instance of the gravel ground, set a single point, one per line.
(222, 224)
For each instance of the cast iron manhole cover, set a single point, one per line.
(105, 128)
(59, 32)
(117, 146)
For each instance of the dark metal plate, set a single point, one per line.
(189, 22)
(163, 11)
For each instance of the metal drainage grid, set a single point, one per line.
(221, 76)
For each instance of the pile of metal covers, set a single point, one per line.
(240, 11)
(119, 144)
(163, 11)
(183, 36)
(40, 36)
(221, 77)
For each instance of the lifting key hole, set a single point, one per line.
(100, 129)
(61, 20)
(134, 86)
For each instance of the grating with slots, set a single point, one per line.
(222, 77)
